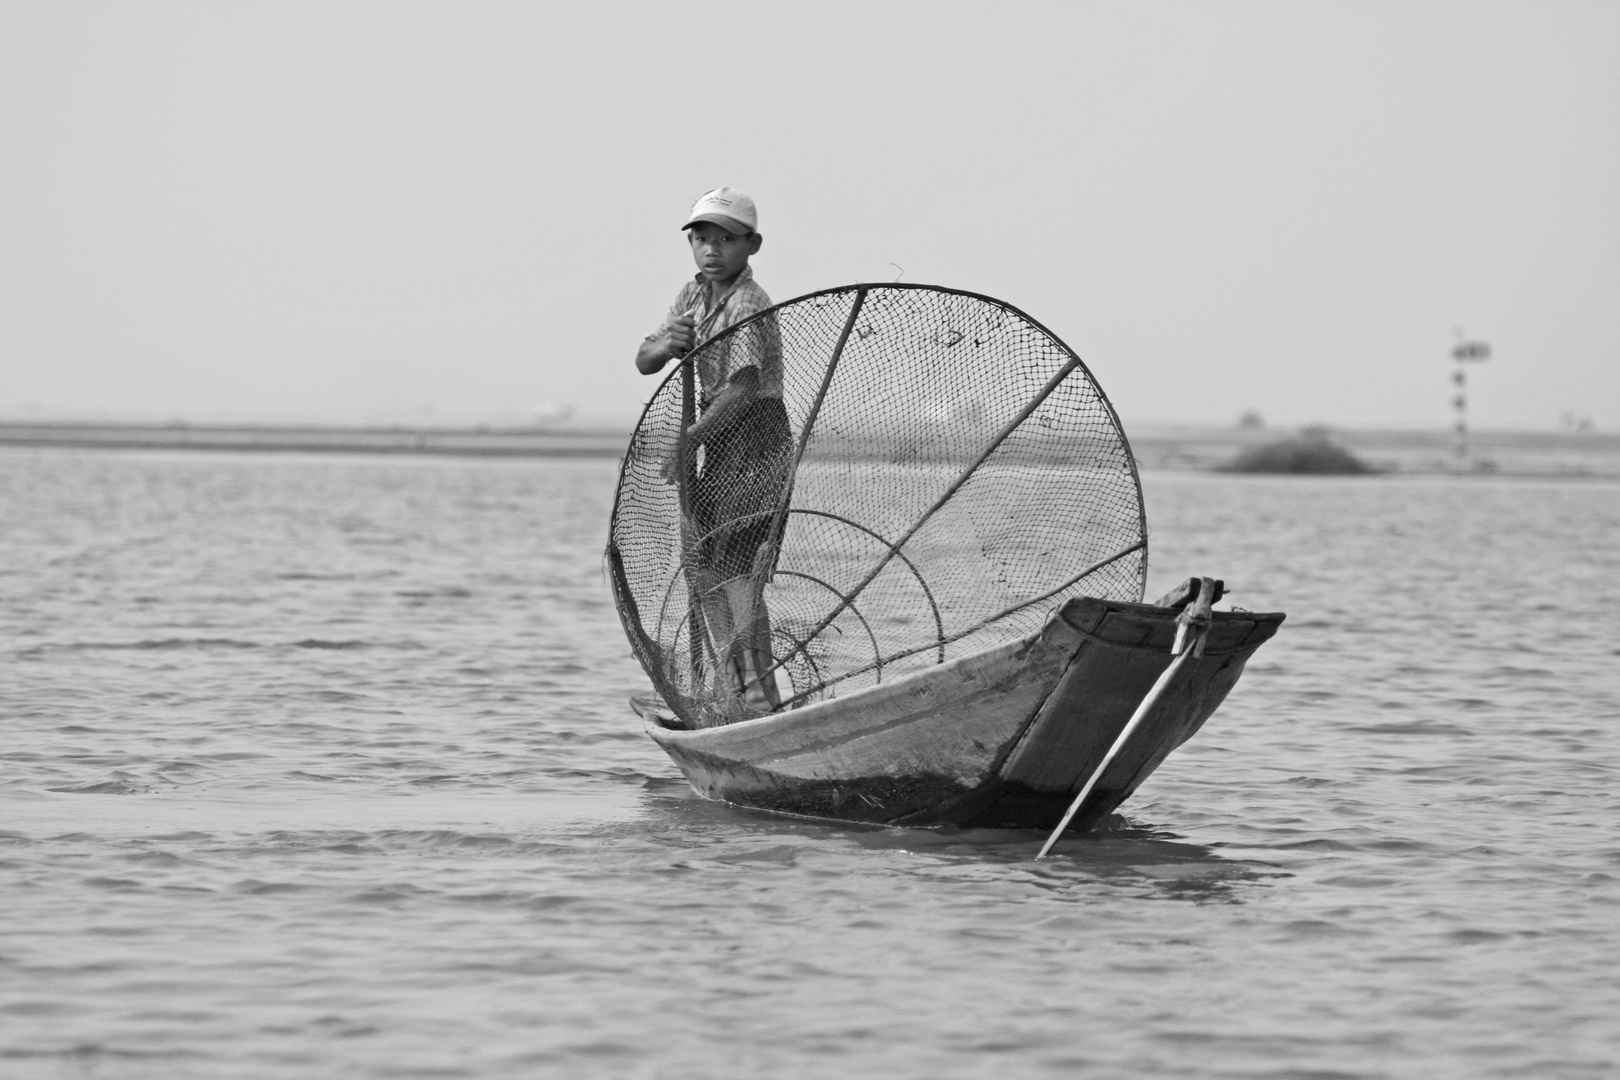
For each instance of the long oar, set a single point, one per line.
(1192, 627)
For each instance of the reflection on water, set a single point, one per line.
(1149, 863)
(322, 767)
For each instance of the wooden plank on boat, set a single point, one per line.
(949, 720)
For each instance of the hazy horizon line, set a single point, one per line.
(585, 424)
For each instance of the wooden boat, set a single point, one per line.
(1001, 739)
(943, 618)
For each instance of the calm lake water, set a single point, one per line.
(322, 767)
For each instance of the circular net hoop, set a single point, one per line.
(949, 473)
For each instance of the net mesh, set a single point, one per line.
(946, 473)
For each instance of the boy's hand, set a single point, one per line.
(670, 343)
(678, 336)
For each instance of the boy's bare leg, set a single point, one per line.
(721, 633)
(729, 624)
(760, 648)
(751, 644)
(760, 627)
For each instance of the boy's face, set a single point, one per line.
(720, 255)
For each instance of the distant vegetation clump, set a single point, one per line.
(1311, 454)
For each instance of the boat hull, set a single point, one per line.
(1001, 739)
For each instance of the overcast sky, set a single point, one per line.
(457, 212)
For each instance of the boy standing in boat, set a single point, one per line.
(742, 428)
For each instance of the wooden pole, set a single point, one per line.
(696, 630)
(1142, 710)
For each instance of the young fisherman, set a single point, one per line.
(743, 429)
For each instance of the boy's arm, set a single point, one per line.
(742, 388)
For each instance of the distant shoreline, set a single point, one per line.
(474, 441)
(1158, 447)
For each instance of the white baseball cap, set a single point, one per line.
(728, 208)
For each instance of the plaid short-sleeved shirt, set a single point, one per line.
(760, 346)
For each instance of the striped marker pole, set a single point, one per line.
(1464, 352)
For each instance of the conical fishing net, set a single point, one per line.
(941, 473)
